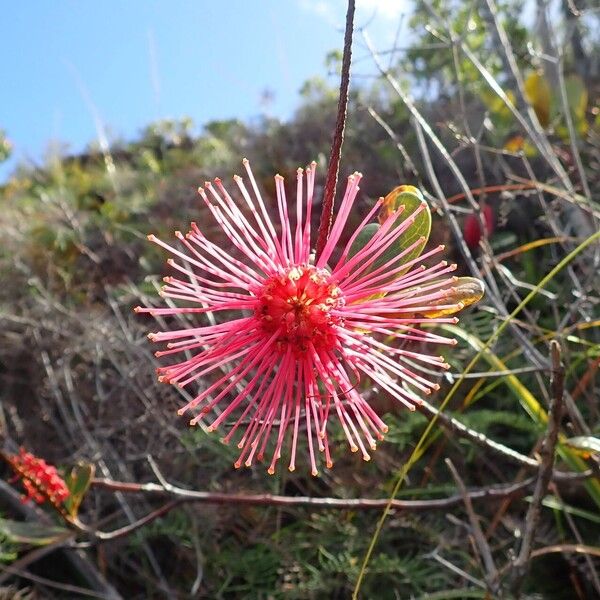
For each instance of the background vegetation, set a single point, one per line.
(496, 117)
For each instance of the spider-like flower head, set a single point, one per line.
(279, 341)
(299, 304)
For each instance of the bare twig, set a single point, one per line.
(460, 429)
(146, 520)
(338, 135)
(63, 587)
(483, 548)
(477, 437)
(567, 548)
(405, 155)
(563, 548)
(521, 563)
(220, 498)
(571, 521)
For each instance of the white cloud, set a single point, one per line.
(335, 10)
(325, 9)
(381, 17)
(389, 9)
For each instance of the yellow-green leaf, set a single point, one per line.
(31, 533)
(577, 98)
(78, 481)
(587, 444)
(464, 292)
(538, 94)
(411, 198)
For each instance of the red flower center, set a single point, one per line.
(299, 303)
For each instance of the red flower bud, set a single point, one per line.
(40, 480)
(472, 229)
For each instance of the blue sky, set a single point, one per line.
(129, 63)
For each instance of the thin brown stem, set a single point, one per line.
(171, 491)
(481, 544)
(146, 520)
(521, 563)
(338, 135)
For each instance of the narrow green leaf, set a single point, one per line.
(556, 504)
(31, 533)
(587, 443)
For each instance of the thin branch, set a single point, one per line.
(521, 563)
(567, 548)
(128, 529)
(64, 587)
(483, 548)
(220, 498)
(460, 429)
(405, 155)
(563, 548)
(476, 437)
(338, 135)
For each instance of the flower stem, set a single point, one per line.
(338, 135)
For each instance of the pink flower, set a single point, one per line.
(305, 333)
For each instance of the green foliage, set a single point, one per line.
(411, 199)
(78, 481)
(5, 147)
(31, 534)
(430, 58)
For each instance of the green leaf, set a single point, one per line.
(411, 198)
(587, 443)
(556, 504)
(577, 98)
(78, 481)
(363, 238)
(32, 533)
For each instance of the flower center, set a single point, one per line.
(299, 303)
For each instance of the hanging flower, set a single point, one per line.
(290, 338)
(40, 480)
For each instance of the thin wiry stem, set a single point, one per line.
(482, 440)
(521, 563)
(419, 447)
(483, 548)
(338, 135)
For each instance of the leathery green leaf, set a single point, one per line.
(363, 238)
(411, 198)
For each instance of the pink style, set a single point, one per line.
(306, 333)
